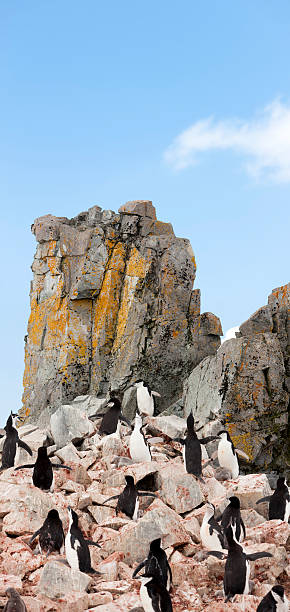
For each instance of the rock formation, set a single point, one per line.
(112, 302)
(246, 385)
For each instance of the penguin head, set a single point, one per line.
(209, 509)
(139, 384)
(138, 419)
(190, 422)
(12, 593)
(279, 590)
(281, 482)
(155, 545)
(53, 515)
(42, 452)
(130, 481)
(234, 502)
(224, 435)
(114, 403)
(73, 517)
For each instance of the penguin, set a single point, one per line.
(12, 441)
(153, 594)
(232, 515)
(14, 603)
(157, 554)
(111, 417)
(42, 476)
(237, 567)
(274, 601)
(50, 535)
(138, 446)
(211, 532)
(128, 500)
(76, 547)
(227, 454)
(279, 502)
(192, 449)
(145, 398)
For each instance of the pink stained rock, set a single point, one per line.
(273, 532)
(9, 580)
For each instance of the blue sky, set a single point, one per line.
(184, 103)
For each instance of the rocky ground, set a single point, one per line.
(98, 470)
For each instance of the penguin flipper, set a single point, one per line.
(215, 553)
(264, 499)
(109, 499)
(180, 440)
(25, 446)
(155, 393)
(208, 439)
(242, 454)
(146, 494)
(37, 533)
(97, 415)
(91, 543)
(258, 555)
(170, 572)
(243, 528)
(139, 567)
(28, 465)
(57, 467)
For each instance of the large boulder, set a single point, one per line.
(112, 301)
(69, 424)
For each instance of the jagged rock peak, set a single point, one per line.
(112, 301)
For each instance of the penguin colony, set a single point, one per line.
(221, 535)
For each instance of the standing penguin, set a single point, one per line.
(138, 446)
(232, 515)
(157, 554)
(145, 398)
(274, 601)
(227, 454)
(76, 547)
(192, 449)
(153, 594)
(14, 603)
(237, 567)
(111, 417)
(51, 535)
(42, 476)
(279, 506)
(12, 441)
(128, 500)
(211, 534)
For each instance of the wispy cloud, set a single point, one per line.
(264, 142)
(231, 333)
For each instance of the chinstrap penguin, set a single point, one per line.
(128, 500)
(279, 502)
(14, 603)
(50, 535)
(274, 601)
(111, 417)
(232, 515)
(153, 594)
(11, 442)
(145, 398)
(227, 454)
(211, 533)
(237, 567)
(77, 547)
(138, 446)
(192, 449)
(42, 476)
(156, 554)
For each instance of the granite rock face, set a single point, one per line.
(246, 385)
(112, 302)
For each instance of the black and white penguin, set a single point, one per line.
(128, 500)
(145, 398)
(42, 476)
(138, 446)
(227, 454)
(50, 535)
(237, 567)
(12, 441)
(211, 533)
(192, 449)
(274, 601)
(153, 594)
(279, 502)
(77, 547)
(156, 554)
(232, 516)
(14, 603)
(111, 417)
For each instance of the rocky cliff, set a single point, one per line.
(246, 385)
(111, 302)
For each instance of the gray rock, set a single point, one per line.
(68, 454)
(58, 580)
(69, 424)
(259, 323)
(171, 426)
(179, 490)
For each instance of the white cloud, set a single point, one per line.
(231, 333)
(264, 141)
